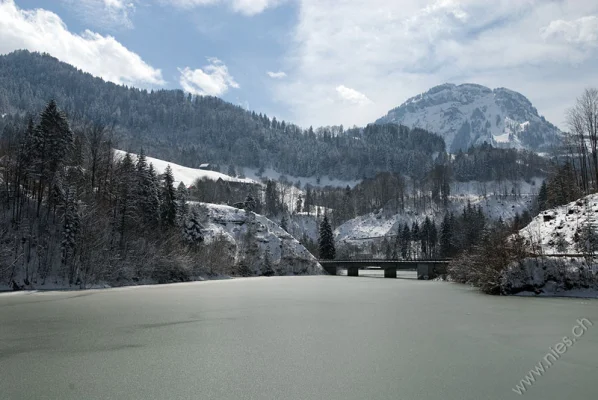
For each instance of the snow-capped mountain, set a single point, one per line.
(471, 114)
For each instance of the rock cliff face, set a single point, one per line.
(249, 236)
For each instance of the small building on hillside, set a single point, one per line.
(205, 166)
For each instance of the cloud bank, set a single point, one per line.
(393, 50)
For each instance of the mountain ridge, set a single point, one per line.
(471, 114)
(190, 130)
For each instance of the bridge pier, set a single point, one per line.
(330, 269)
(424, 271)
(390, 273)
(430, 271)
(353, 271)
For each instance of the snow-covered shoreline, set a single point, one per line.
(5, 290)
(573, 294)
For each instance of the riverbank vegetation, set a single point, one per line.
(73, 214)
(557, 250)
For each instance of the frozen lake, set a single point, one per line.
(281, 338)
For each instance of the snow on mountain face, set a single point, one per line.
(502, 199)
(470, 114)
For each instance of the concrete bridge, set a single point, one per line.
(426, 269)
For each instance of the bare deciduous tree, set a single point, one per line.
(582, 120)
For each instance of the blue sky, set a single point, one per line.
(320, 62)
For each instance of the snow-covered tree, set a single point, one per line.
(192, 231)
(182, 207)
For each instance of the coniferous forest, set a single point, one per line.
(191, 130)
(71, 209)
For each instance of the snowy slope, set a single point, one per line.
(185, 174)
(563, 229)
(324, 181)
(497, 199)
(288, 255)
(471, 114)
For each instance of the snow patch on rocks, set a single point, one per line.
(565, 229)
(288, 256)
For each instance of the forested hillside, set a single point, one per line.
(188, 130)
(74, 214)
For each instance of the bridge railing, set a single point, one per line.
(379, 260)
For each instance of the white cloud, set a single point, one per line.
(352, 95)
(103, 56)
(104, 13)
(247, 7)
(397, 49)
(277, 75)
(583, 30)
(213, 80)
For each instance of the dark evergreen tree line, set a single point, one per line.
(71, 210)
(191, 130)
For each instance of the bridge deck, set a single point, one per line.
(425, 268)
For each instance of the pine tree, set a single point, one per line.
(433, 239)
(182, 206)
(168, 206)
(326, 241)
(146, 191)
(542, 197)
(446, 237)
(405, 241)
(425, 237)
(152, 202)
(57, 135)
(271, 198)
(70, 229)
(308, 202)
(415, 236)
(192, 231)
(125, 188)
(250, 203)
(52, 140)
